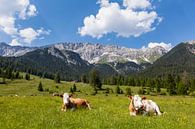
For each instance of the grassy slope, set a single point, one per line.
(109, 112)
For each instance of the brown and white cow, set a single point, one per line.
(142, 105)
(72, 103)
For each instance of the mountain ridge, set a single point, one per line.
(95, 53)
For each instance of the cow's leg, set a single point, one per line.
(157, 110)
(63, 107)
(132, 113)
(88, 105)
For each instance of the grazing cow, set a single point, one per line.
(143, 106)
(80, 102)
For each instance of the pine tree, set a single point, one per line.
(171, 86)
(117, 90)
(57, 78)
(40, 87)
(158, 86)
(74, 88)
(95, 81)
(181, 89)
(84, 78)
(128, 91)
(71, 90)
(192, 86)
(27, 76)
(17, 75)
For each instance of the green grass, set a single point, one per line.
(108, 112)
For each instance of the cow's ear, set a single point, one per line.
(143, 97)
(70, 95)
(130, 97)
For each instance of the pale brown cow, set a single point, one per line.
(72, 103)
(78, 102)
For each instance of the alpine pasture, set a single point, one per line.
(22, 106)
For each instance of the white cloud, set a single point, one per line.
(29, 34)
(137, 4)
(15, 42)
(166, 46)
(10, 12)
(32, 11)
(129, 20)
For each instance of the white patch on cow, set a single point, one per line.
(151, 106)
(66, 98)
(137, 102)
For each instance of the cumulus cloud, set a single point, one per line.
(15, 42)
(29, 34)
(10, 12)
(137, 4)
(167, 46)
(134, 18)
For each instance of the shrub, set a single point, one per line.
(141, 91)
(118, 90)
(128, 91)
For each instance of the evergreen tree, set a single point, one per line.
(8, 73)
(128, 91)
(118, 90)
(71, 90)
(84, 78)
(17, 75)
(74, 88)
(192, 87)
(95, 81)
(158, 86)
(27, 76)
(181, 89)
(113, 80)
(40, 87)
(186, 80)
(57, 78)
(171, 86)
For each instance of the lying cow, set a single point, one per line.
(72, 103)
(143, 106)
(150, 106)
(80, 102)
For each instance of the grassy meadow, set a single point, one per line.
(22, 106)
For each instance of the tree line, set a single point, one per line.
(174, 84)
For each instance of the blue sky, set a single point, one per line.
(53, 21)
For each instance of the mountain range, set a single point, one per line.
(177, 61)
(94, 53)
(72, 60)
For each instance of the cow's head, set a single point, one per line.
(136, 101)
(66, 98)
